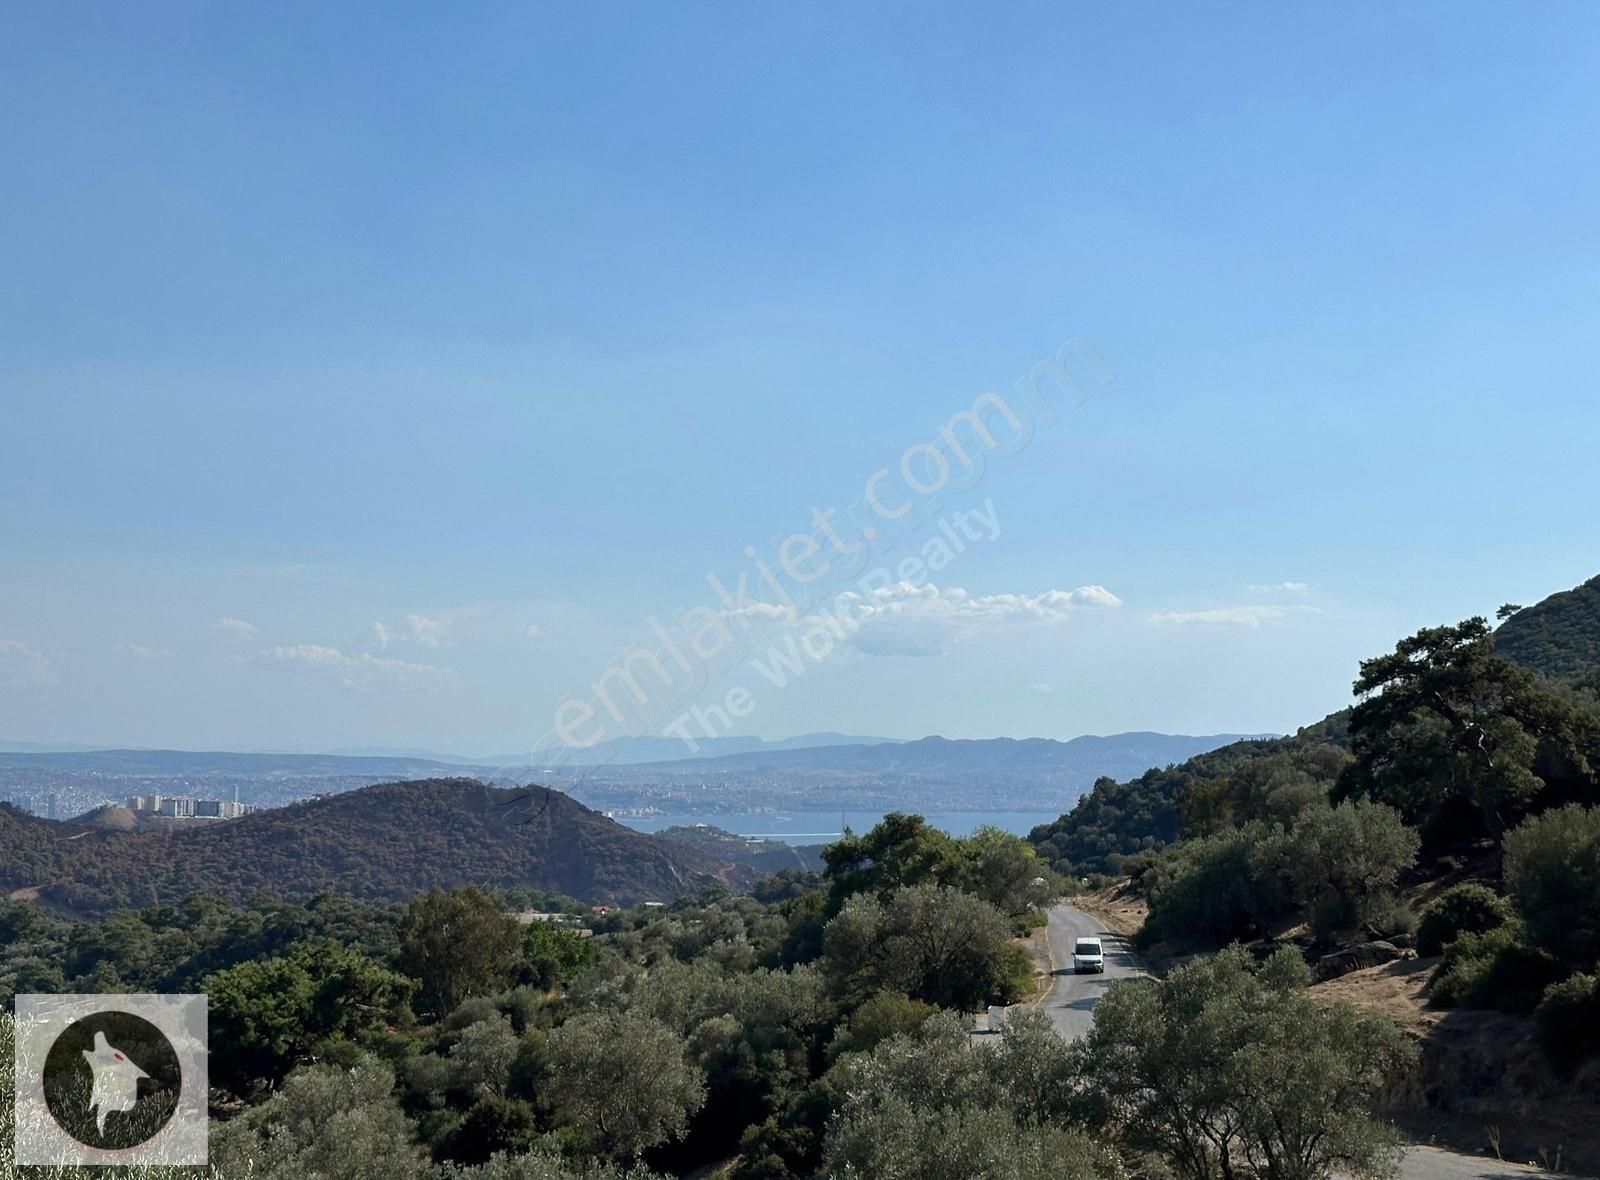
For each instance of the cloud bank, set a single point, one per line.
(927, 620)
(362, 671)
(1230, 616)
(24, 667)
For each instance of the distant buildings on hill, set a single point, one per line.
(44, 805)
(187, 807)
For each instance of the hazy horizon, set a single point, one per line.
(17, 745)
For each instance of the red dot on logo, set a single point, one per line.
(118, 1056)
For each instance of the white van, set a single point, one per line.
(1088, 955)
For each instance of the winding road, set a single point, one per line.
(1070, 1005)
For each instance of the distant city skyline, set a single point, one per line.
(385, 379)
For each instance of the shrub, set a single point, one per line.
(1136, 868)
(1015, 973)
(883, 1015)
(1218, 889)
(1462, 909)
(1569, 1021)
(1389, 917)
(1553, 876)
(1496, 969)
(1344, 861)
(1024, 924)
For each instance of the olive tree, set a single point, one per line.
(324, 1122)
(624, 1078)
(925, 1105)
(1553, 876)
(1343, 861)
(1007, 872)
(930, 942)
(1224, 1068)
(889, 1138)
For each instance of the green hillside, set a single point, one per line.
(1210, 791)
(384, 842)
(1559, 637)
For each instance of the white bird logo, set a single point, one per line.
(116, 1080)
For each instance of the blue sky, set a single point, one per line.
(371, 375)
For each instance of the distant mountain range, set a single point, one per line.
(194, 762)
(628, 751)
(445, 828)
(42, 747)
(388, 841)
(931, 775)
(823, 771)
(1089, 756)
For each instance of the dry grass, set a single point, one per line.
(1117, 906)
(1397, 990)
(1037, 944)
(1482, 1082)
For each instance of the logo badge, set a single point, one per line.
(111, 1079)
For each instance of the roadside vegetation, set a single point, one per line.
(1456, 760)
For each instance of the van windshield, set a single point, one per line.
(1087, 948)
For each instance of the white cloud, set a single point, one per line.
(142, 651)
(362, 671)
(429, 632)
(1230, 616)
(1095, 596)
(532, 631)
(24, 667)
(418, 629)
(764, 612)
(1041, 687)
(909, 620)
(1279, 588)
(235, 628)
(956, 603)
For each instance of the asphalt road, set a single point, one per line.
(1432, 1163)
(1071, 1002)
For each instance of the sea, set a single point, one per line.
(822, 827)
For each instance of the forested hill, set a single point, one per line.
(389, 841)
(1559, 637)
(1116, 820)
